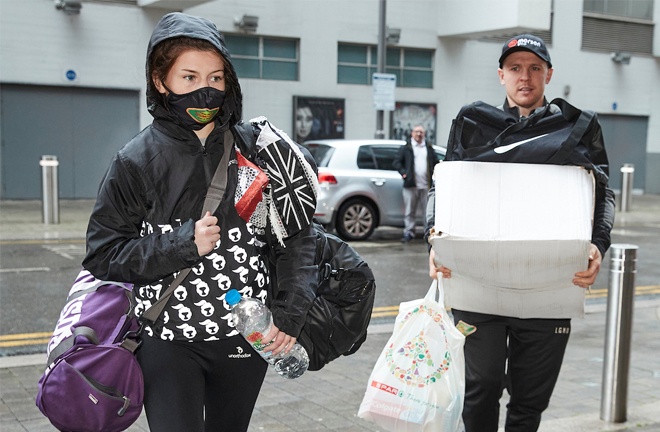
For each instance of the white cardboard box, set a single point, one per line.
(513, 235)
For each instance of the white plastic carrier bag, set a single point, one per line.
(418, 382)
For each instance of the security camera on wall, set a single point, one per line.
(621, 57)
(69, 7)
(247, 23)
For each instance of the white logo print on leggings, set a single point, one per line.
(240, 354)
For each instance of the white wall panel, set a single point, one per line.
(476, 18)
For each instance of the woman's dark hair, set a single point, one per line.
(165, 54)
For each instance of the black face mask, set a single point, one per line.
(197, 108)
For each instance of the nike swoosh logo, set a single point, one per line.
(506, 148)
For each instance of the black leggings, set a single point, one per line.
(200, 386)
(522, 355)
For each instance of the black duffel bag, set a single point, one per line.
(337, 322)
(559, 134)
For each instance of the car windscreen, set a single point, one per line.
(320, 152)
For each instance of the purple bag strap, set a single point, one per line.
(90, 334)
(213, 198)
(67, 343)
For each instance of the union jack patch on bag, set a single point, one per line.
(293, 183)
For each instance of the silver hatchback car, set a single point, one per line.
(359, 187)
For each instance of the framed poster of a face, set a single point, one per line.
(317, 118)
(407, 115)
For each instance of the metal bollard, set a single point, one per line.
(49, 190)
(620, 299)
(627, 172)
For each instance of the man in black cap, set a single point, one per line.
(524, 355)
(525, 69)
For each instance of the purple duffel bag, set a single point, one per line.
(93, 381)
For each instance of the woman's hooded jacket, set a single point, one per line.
(142, 227)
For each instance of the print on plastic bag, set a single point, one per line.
(418, 382)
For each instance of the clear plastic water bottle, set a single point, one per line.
(253, 320)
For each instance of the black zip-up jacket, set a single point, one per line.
(477, 126)
(405, 164)
(142, 226)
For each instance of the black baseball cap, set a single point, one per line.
(526, 42)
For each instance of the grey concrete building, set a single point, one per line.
(72, 72)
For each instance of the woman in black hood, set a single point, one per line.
(147, 226)
(168, 39)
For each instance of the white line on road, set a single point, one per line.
(69, 251)
(25, 270)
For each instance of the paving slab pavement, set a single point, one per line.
(329, 399)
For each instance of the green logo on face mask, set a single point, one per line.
(202, 115)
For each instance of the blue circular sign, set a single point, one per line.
(71, 75)
(614, 106)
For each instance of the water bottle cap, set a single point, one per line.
(233, 297)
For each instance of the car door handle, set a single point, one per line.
(378, 181)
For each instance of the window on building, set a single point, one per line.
(412, 67)
(642, 9)
(357, 63)
(618, 25)
(263, 57)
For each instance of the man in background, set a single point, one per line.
(415, 162)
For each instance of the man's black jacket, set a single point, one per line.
(405, 164)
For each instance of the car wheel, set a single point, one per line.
(356, 220)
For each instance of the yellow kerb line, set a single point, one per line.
(21, 339)
(378, 312)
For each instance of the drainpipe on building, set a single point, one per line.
(380, 114)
